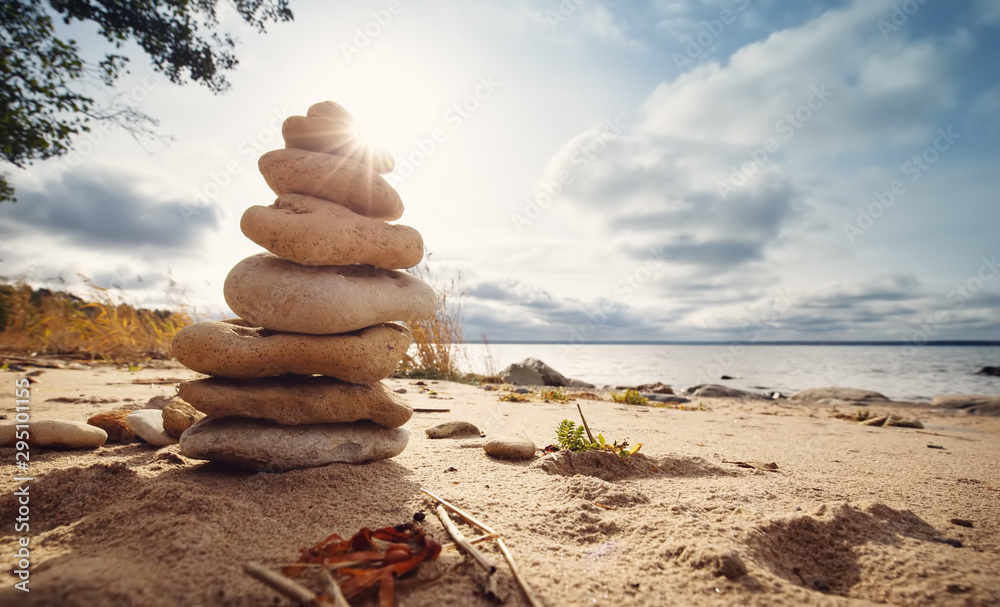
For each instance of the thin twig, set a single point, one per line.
(475, 540)
(532, 599)
(468, 548)
(589, 435)
(468, 518)
(333, 589)
(285, 586)
(430, 410)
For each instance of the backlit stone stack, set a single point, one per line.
(296, 378)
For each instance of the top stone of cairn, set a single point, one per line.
(328, 128)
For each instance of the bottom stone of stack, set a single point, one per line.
(271, 447)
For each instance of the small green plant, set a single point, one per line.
(557, 394)
(630, 397)
(862, 415)
(569, 436)
(514, 397)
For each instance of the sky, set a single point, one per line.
(669, 170)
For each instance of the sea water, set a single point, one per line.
(911, 373)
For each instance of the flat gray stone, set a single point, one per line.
(846, 394)
(510, 447)
(147, 424)
(294, 400)
(717, 391)
(973, 404)
(267, 446)
(453, 430)
(900, 422)
(54, 433)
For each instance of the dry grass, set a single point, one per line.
(433, 353)
(58, 323)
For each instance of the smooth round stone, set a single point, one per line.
(280, 295)
(453, 430)
(333, 178)
(296, 400)
(510, 447)
(54, 433)
(148, 425)
(329, 109)
(334, 136)
(232, 349)
(314, 232)
(267, 446)
(178, 415)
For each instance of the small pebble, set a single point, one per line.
(512, 447)
(934, 446)
(522, 391)
(961, 522)
(113, 422)
(148, 425)
(400, 390)
(455, 429)
(56, 433)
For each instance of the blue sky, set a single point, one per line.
(665, 170)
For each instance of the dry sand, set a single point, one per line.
(854, 515)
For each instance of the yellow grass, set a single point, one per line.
(433, 353)
(58, 323)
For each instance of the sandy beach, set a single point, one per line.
(849, 514)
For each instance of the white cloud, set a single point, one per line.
(878, 91)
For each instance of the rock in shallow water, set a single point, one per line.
(55, 433)
(510, 447)
(266, 446)
(148, 424)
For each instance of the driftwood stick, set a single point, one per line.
(332, 588)
(285, 586)
(462, 515)
(532, 599)
(430, 410)
(476, 540)
(468, 548)
(586, 427)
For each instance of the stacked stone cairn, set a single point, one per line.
(295, 380)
